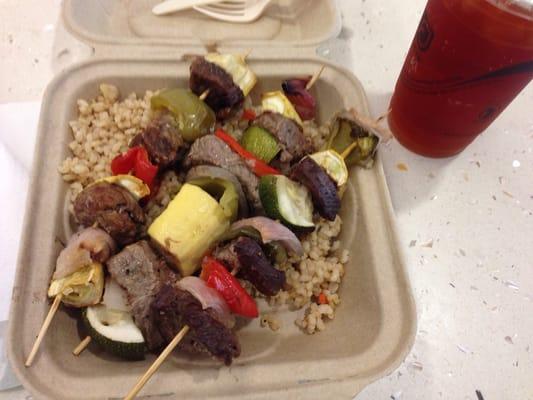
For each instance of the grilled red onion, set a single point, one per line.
(270, 231)
(302, 100)
(84, 247)
(115, 296)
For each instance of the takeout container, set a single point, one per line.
(375, 324)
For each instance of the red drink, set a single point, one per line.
(469, 59)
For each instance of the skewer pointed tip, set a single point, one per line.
(157, 363)
(44, 329)
(315, 77)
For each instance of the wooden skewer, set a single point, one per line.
(204, 95)
(44, 328)
(349, 149)
(82, 346)
(157, 363)
(315, 77)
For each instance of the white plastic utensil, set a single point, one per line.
(170, 6)
(234, 11)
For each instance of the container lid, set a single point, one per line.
(285, 23)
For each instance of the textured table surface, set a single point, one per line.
(465, 223)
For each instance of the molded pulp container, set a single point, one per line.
(375, 324)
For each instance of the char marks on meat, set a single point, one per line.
(112, 208)
(290, 136)
(213, 151)
(161, 140)
(322, 188)
(173, 308)
(142, 274)
(223, 95)
(247, 256)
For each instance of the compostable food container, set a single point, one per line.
(375, 323)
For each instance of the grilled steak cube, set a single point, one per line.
(142, 274)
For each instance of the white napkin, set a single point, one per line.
(18, 123)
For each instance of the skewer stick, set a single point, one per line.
(44, 328)
(204, 95)
(82, 346)
(349, 149)
(157, 363)
(315, 77)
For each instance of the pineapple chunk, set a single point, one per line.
(189, 226)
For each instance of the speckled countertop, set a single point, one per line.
(465, 223)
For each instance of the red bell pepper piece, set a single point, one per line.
(259, 167)
(218, 277)
(135, 160)
(124, 163)
(144, 169)
(248, 114)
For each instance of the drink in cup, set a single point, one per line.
(468, 60)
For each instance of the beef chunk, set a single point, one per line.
(173, 308)
(213, 151)
(289, 134)
(161, 140)
(142, 274)
(112, 208)
(245, 255)
(224, 95)
(322, 188)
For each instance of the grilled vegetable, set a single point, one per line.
(192, 222)
(271, 231)
(355, 142)
(303, 101)
(261, 143)
(278, 102)
(276, 253)
(248, 114)
(208, 298)
(322, 188)
(135, 160)
(82, 288)
(274, 250)
(333, 163)
(218, 277)
(83, 248)
(259, 167)
(210, 171)
(287, 201)
(222, 190)
(136, 186)
(115, 297)
(235, 65)
(114, 331)
(193, 117)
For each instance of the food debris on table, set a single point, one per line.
(402, 167)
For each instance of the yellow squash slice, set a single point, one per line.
(189, 226)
